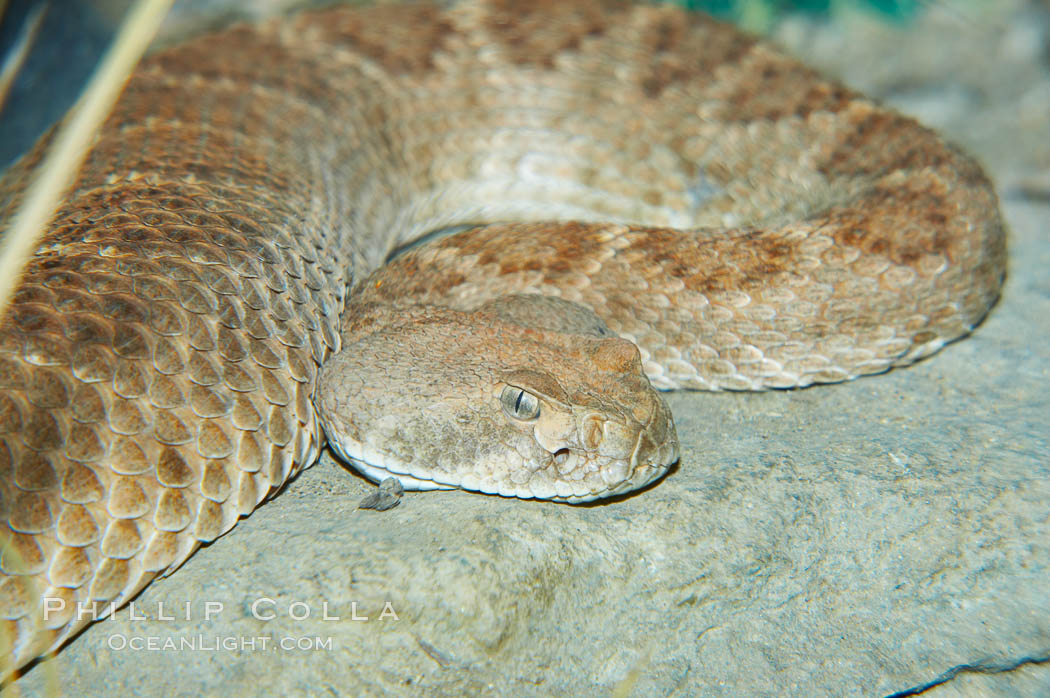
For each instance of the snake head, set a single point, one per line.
(443, 399)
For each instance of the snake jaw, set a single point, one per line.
(565, 469)
(598, 477)
(564, 462)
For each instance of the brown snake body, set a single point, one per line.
(744, 221)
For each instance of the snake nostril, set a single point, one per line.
(560, 456)
(592, 431)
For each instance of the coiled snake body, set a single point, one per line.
(744, 222)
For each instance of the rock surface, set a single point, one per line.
(870, 538)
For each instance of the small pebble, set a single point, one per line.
(386, 496)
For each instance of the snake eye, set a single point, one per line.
(520, 404)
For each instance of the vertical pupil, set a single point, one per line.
(517, 403)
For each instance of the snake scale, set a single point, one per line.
(721, 218)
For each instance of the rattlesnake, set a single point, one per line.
(729, 220)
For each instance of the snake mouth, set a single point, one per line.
(378, 467)
(409, 482)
